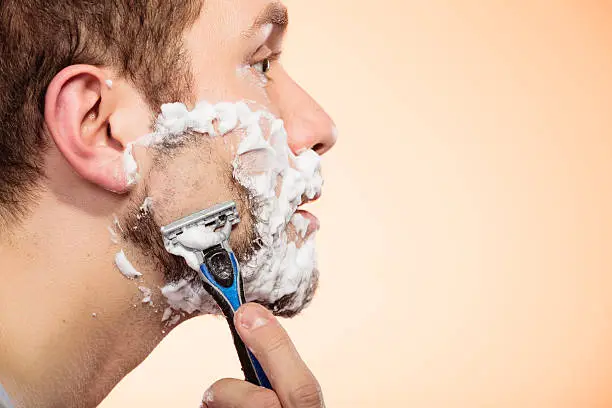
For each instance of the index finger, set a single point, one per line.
(291, 379)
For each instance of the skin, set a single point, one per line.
(58, 268)
(293, 383)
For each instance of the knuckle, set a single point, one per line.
(277, 342)
(263, 398)
(215, 395)
(307, 395)
(220, 384)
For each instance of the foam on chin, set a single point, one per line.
(279, 268)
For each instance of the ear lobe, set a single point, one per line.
(78, 107)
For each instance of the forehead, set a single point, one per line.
(228, 18)
(220, 38)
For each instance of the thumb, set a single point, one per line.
(270, 343)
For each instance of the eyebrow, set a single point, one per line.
(275, 13)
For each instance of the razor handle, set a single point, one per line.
(222, 280)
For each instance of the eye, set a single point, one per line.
(263, 66)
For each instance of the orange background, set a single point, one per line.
(467, 215)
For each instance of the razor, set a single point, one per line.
(220, 274)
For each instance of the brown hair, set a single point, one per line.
(140, 39)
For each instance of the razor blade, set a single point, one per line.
(213, 218)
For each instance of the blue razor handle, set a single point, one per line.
(222, 280)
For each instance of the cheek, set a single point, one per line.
(188, 183)
(197, 178)
(239, 83)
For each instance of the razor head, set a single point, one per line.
(213, 218)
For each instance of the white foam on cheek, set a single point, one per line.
(125, 266)
(109, 83)
(176, 119)
(253, 141)
(227, 117)
(201, 119)
(279, 267)
(173, 118)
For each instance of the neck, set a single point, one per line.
(65, 310)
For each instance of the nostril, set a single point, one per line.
(319, 148)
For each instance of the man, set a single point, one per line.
(91, 166)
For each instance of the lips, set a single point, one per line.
(314, 224)
(305, 200)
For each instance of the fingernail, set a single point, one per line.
(253, 317)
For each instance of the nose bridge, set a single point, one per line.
(308, 125)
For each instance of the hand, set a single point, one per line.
(293, 383)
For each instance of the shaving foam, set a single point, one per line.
(130, 166)
(125, 266)
(184, 296)
(279, 268)
(301, 224)
(113, 234)
(167, 314)
(147, 205)
(146, 293)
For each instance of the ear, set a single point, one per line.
(78, 108)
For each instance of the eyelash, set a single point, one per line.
(266, 64)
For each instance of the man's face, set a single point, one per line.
(234, 48)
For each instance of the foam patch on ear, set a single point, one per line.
(130, 166)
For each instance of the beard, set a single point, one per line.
(184, 289)
(267, 181)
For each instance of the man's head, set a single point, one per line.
(82, 85)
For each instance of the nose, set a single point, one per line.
(308, 125)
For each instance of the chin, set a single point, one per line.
(294, 303)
